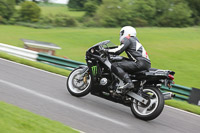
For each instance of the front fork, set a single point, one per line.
(84, 71)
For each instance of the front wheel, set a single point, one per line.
(154, 106)
(78, 83)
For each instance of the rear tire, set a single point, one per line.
(153, 108)
(79, 85)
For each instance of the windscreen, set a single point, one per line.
(109, 45)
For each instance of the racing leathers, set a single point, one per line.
(137, 60)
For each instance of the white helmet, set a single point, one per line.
(127, 31)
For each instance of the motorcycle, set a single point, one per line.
(97, 78)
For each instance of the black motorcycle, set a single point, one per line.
(97, 78)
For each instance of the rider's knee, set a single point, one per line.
(115, 64)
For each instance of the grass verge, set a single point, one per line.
(177, 104)
(184, 106)
(16, 120)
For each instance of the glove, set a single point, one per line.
(105, 51)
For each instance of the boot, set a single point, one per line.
(129, 84)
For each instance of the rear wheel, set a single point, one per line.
(79, 84)
(154, 106)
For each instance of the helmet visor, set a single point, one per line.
(121, 33)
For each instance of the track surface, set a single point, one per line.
(45, 94)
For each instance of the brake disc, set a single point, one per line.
(78, 81)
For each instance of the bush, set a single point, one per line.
(30, 12)
(140, 22)
(62, 20)
(19, 1)
(34, 25)
(76, 4)
(2, 20)
(7, 9)
(113, 13)
(170, 13)
(90, 7)
(143, 12)
(177, 15)
(90, 22)
(195, 7)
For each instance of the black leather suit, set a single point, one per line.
(137, 60)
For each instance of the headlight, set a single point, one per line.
(92, 50)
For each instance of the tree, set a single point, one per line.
(7, 9)
(175, 14)
(30, 11)
(195, 7)
(112, 13)
(90, 7)
(126, 12)
(19, 1)
(79, 4)
(143, 12)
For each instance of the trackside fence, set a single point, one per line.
(58, 61)
(181, 92)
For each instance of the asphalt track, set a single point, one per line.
(45, 94)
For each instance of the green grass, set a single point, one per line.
(184, 106)
(16, 120)
(176, 49)
(58, 9)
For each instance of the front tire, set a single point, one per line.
(154, 106)
(78, 84)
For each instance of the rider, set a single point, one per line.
(137, 60)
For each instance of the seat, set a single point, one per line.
(153, 69)
(139, 72)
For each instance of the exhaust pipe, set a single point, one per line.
(168, 95)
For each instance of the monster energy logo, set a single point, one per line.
(94, 70)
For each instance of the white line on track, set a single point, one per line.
(182, 111)
(66, 77)
(63, 103)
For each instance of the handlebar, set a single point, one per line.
(103, 55)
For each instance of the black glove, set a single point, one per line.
(105, 51)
